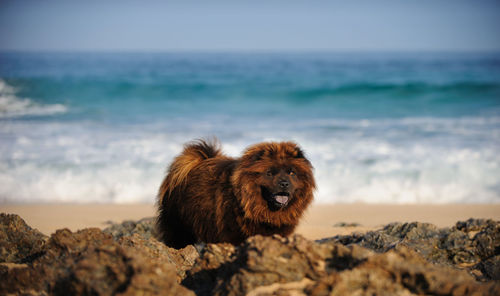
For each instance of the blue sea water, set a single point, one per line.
(378, 127)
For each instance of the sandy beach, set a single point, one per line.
(320, 220)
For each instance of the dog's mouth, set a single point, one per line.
(276, 200)
(281, 198)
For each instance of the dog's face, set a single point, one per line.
(278, 184)
(274, 182)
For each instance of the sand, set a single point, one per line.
(320, 221)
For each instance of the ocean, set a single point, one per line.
(377, 127)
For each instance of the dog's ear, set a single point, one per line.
(257, 156)
(299, 153)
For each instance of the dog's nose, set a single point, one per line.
(284, 184)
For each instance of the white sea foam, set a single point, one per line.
(407, 175)
(50, 164)
(12, 106)
(374, 162)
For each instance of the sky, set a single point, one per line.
(272, 25)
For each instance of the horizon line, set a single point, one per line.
(256, 51)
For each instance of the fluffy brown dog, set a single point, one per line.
(209, 197)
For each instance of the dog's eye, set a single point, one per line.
(291, 173)
(269, 173)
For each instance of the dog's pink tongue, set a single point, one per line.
(282, 199)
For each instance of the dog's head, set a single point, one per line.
(274, 182)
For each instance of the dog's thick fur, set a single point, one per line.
(209, 197)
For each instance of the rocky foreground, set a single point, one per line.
(126, 259)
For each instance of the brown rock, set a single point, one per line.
(90, 262)
(399, 272)
(19, 242)
(473, 245)
(262, 261)
(128, 260)
(489, 269)
(209, 268)
(19, 279)
(183, 259)
(144, 227)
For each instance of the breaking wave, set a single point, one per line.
(13, 106)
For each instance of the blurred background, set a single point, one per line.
(393, 101)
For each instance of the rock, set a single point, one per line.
(225, 270)
(209, 268)
(182, 259)
(489, 269)
(144, 227)
(262, 261)
(274, 265)
(473, 245)
(20, 279)
(475, 224)
(92, 262)
(142, 235)
(399, 272)
(285, 266)
(18, 242)
(411, 231)
(85, 262)
(487, 241)
(346, 224)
